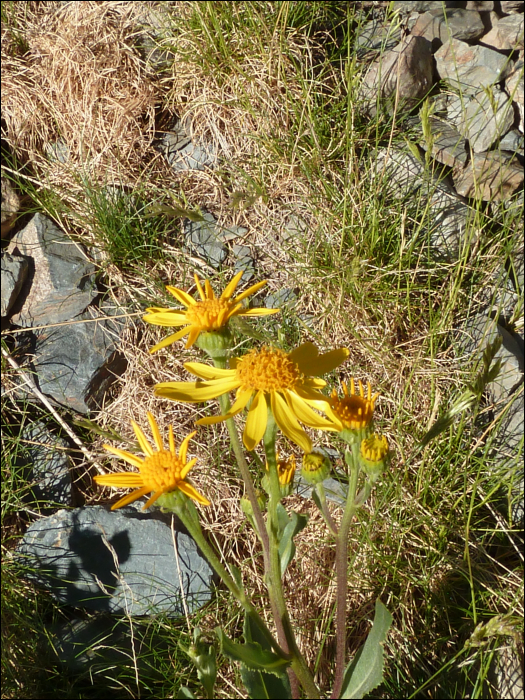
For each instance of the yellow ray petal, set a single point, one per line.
(182, 296)
(172, 441)
(305, 353)
(143, 442)
(184, 446)
(251, 290)
(256, 421)
(210, 294)
(313, 397)
(305, 414)
(194, 392)
(188, 466)
(127, 456)
(288, 423)
(206, 372)
(121, 480)
(155, 431)
(323, 363)
(133, 496)
(259, 312)
(240, 403)
(232, 286)
(165, 317)
(192, 492)
(152, 499)
(199, 286)
(170, 339)
(194, 334)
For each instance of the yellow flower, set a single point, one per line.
(373, 455)
(352, 412)
(207, 315)
(161, 472)
(276, 380)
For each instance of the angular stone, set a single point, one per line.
(203, 238)
(77, 363)
(403, 74)
(10, 206)
(470, 67)
(449, 146)
(47, 456)
(120, 562)
(377, 36)
(480, 5)
(244, 260)
(182, 154)
(512, 142)
(488, 115)
(506, 34)
(491, 176)
(231, 233)
(438, 26)
(61, 280)
(418, 6)
(515, 87)
(510, 6)
(280, 298)
(14, 273)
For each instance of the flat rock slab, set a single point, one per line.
(456, 23)
(491, 176)
(470, 68)
(61, 280)
(121, 562)
(76, 363)
(14, 273)
(204, 239)
(488, 115)
(47, 455)
(182, 153)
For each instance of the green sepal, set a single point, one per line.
(296, 523)
(365, 671)
(260, 684)
(252, 655)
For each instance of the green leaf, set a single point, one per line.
(283, 519)
(286, 546)
(172, 211)
(258, 683)
(252, 655)
(203, 656)
(365, 671)
(184, 692)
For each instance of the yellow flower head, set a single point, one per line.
(285, 470)
(284, 382)
(161, 472)
(207, 315)
(373, 455)
(353, 412)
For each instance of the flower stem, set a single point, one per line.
(274, 576)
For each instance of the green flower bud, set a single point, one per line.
(216, 344)
(373, 455)
(316, 467)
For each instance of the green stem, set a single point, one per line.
(275, 587)
(342, 570)
(321, 493)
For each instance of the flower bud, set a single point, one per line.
(316, 467)
(286, 473)
(216, 343)
(373, 455)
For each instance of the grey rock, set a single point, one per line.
(403, 74)
(514, 86)
(513, 142)
(294, 226)
(231, 233)
(448, 145)
(491, 176)
(121, 562)
(418, 6)
(10, 205)
(204, 239)
(244, 260)
(282, 297)
(378, 36)
(47, 456)
(58, 151)
(61, 280)
(470, 68)
(506, 34)
(14, 270)
(102, 641)
(488, 115)
(77, 363)
(509, 6)
(182, 154)
(335, 491)
(439, 26)
(508, 662)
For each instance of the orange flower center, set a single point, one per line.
(267, 369)
(162, 471)
(209, 314)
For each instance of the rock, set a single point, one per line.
(487, 116)
(61, 280)
(76, 364)
(506, 34)
(404, 73)
(491, 176)
(47, 456)
(10, 206)
(182, 154)
(58, 151)
(282, 297)
(378, 36)
(510, 6)
(335, 491)
(439, 26)
(244, 260)
(507, 666)
(448, 146)
(294, 225)
(231, 233)
(514, 86)
(203, 239)
(512, 142)
(120, 562)
(417, 6)
(14, 273)
(470, 68)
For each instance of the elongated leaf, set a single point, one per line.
(365, 671)
(252, 655)
(286, 545)
(258, 683)
(184, 692)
